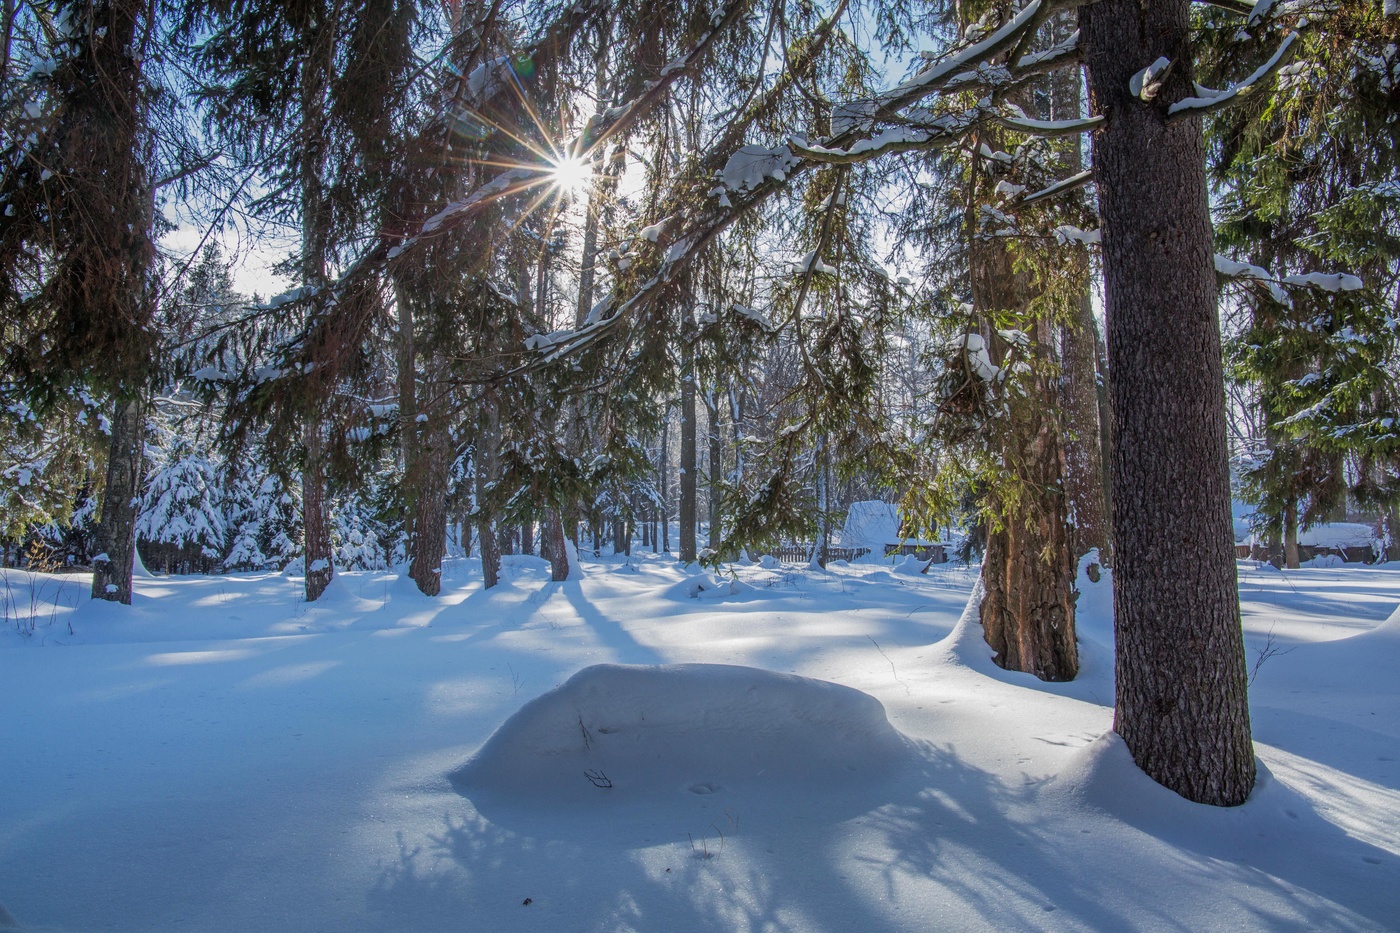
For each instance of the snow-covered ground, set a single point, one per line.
(222, 756)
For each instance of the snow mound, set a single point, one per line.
(1324, 561)
(616, 731)
(1269, 828)
(716, 588)
(910, 566)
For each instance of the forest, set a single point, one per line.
(306, 290)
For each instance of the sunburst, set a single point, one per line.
(570, 174)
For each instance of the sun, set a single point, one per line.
(571, 175)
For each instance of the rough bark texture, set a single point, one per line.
(408, 400)
(1027, 609)
(1181, 682)
(555, 544)
(1290, 535)
(689, 474)
(429, 480)
(315, 522)
(1084, 476)
(487, 440)
(716, 467)
(1079, 397)
(116, 532)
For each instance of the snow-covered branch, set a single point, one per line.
(1060, 187)
(940, 132)
(1047, 127)
(1209, 100)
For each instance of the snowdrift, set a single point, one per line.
(617, 731)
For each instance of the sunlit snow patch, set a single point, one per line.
(619, 731)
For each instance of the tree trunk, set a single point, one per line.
(429, 481)
(716, 469)
(1181, 707)
(1105, 394)
(1079, 398)
(116, 532)
(1027, 608)
(665, 483)
(485, 462)
(688, 475)
(408, 403)
(315, 523)
(1290, 535)
(819, 549)
(1028, 605)
(557, 545)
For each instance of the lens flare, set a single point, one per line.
(571, 175)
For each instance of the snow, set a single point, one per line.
(1211, 99)
(1065, 234)
(750, 166)
(1331, 282)
(1339, 534)
(1147, 82)
(826, 750)
(874, 524)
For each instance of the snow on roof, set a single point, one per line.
(873, 524)
(1331, 535)
(1338, 534)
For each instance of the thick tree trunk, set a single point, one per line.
(429, 481)
(1084, 477)
(557, 546)
(1290, 535)
(315, 523)
(1182, 707)
(1028, 605)
(1079, 390)
(116, 531)
(688, 472)
(1027, 609)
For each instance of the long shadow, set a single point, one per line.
(791, 858)
(609, 631)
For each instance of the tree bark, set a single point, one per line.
(716, 468)
(1079, 397)
(429, 481)
(1290, 535)
(1084, 477)
(315, 523)
(556, 544)
(116, 531)
(485, 463)
(1027, 608)
(688, 475)
(1181, 706)
(664, 481)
